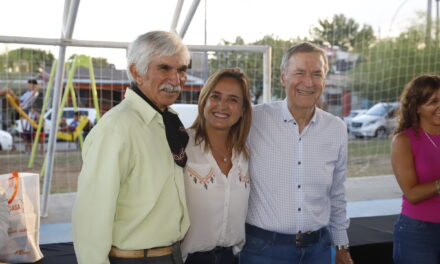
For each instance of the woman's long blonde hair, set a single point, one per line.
(240, 130)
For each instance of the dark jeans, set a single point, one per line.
(416, 241)
(276, 251)
(219, 255)
(175, 258)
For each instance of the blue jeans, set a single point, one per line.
(271, 251)
(416, 241)
(219, 255)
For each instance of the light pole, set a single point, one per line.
(428, 24)
(437, 23)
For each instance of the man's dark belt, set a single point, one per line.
(300, 240)
(141, 253)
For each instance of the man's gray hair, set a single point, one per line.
(303, 47)
(150, 45)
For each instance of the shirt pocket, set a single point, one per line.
(200, 175)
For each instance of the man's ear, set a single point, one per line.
(135, 74)
(283, 78)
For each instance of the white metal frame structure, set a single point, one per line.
(69, 18)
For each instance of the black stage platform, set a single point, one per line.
(370, 239)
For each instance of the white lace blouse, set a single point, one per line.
(217, 204)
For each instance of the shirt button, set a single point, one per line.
(299, 139)
(299, 162)
(299, 186)
(299, 209)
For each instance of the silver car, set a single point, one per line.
(378, 121)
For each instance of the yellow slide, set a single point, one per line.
(69, 136)
(20, 111)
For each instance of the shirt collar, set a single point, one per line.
(147, 112)
(288, 117)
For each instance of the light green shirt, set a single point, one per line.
(130, 192)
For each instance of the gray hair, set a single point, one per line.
(150, 45)
(303, 47)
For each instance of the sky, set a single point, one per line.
(123, 20)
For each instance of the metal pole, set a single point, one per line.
(67, 31)
(428, 24)
(1, 113)
(267, 72)
(176, 16)
(437, 30)
(188, 18)
(205, 54)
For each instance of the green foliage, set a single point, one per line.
(389, 64)
(342, 32)
(25, 60)
(251, 63)
(98, 62)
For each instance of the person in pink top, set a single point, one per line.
(415, 157)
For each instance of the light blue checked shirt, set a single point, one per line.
(297, 180)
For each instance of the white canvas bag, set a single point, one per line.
(23, 194)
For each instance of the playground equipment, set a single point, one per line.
(20, 111)
(72, 136)
(78, 61)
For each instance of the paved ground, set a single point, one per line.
(372, 188)
(367, 196)
(358, 189)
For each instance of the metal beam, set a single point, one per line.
(66, 32)
(71, 20)
(176, 16)
(63, 42)
(192, 10)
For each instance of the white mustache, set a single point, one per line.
(170, 88)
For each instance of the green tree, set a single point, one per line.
(342, 32)
(98, 62)
(386, 66)
(251, 63)
(25, 60)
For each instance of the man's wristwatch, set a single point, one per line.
(342, 247)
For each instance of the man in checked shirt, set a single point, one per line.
(298, 166)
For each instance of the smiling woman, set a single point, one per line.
(216, 177)
(415, 157)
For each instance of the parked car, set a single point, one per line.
(187, 113)
(351, 115)
(6, 142)
(67, 114)
(378, 121)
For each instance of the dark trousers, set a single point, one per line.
(219, 255)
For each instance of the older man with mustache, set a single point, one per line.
(130, 206)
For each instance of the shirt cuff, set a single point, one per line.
(339, 237)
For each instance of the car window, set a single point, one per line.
(68, 114)
(353, 114)
(377, 110)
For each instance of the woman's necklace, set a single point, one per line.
(432, 141)
(223, 157)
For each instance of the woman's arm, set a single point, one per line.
(403, 167)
